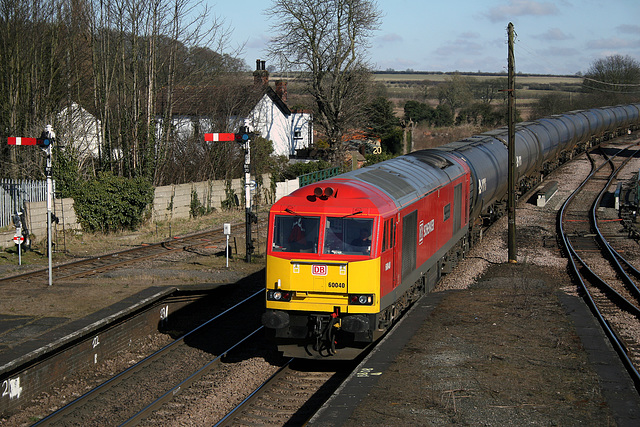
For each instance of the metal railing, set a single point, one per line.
(312, 177)
(13, 194)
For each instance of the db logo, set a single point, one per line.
(319, 270)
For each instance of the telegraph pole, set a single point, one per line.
(511, 200)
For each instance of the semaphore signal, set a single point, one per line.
(219, 137)
(46, 141)
(244, 137)
(17, 140)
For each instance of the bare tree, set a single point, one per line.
(455, 92)
(328, 39)
(613, 74)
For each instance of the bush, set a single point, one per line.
(110, 203)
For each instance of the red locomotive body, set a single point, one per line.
(367, 252)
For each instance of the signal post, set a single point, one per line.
(243, 136)
(46, 140)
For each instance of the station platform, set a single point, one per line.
(521, 353)
(24, 338)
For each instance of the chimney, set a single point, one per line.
(281, 89)
(260, 75)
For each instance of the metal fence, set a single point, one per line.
(14, 193)
(312, 177)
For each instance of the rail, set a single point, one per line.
(121, 382)
(599, 293)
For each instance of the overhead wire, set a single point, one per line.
(545, 60)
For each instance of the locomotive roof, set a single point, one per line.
(407, 178)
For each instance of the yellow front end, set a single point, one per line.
(322, 285)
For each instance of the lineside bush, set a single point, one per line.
(111, 203)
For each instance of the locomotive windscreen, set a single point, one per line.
(349, 236)
(295, 233)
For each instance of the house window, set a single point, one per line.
(297, 134)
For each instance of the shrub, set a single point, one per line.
(110, 203)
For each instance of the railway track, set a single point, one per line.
(291, 396)
(95, 265)
(137, 392)
(607, 279)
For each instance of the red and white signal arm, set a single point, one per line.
(16, 140)
(219, 137)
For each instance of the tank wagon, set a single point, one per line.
(347, 255)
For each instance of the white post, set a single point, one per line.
(18, 239)
(227, 230)
(49, 135)
(49, 208)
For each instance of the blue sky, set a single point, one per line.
(553, 37)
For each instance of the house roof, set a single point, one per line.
(282, 106)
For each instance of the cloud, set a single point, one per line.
(612, 43)
(466, 44)
(521, 8)
(555, 34)
(389, 38)
(631, 29)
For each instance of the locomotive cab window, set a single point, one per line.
(295, 234)
(388, 235)
(348, 236)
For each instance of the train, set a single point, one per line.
(346, 256)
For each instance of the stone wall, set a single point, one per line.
(170, 202)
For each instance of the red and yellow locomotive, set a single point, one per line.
(347, 255)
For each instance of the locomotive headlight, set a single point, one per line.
(360, 299)
(277, 295)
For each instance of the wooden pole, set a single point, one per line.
(511, 201)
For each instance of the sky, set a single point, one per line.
(552, 37)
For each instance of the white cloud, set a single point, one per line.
(612, 43)
(631, 29)
(521, 8)
(555, 34)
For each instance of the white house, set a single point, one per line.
(270, 117)
(78, 128)
(273, 120)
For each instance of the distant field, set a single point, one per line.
(401, 87)
(438, 77)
